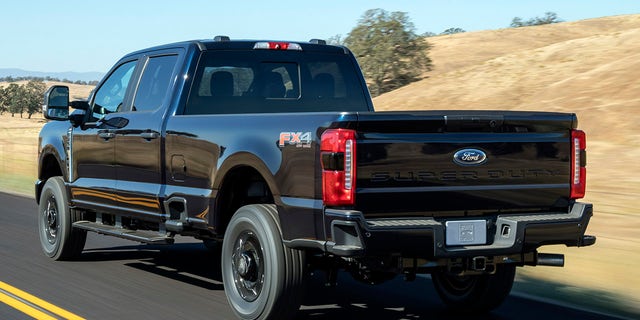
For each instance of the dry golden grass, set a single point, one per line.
(18, 152)
(591, 68)
(19, 143)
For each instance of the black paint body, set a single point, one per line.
(130, 162)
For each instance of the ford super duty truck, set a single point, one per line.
(272, 151)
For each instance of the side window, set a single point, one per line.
(243, 86)
(155, 82)
(280, 80)
(327, 81)
(225, 81)
(110, 95)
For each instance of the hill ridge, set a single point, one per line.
(69, 75)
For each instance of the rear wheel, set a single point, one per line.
(263, 279)
(58, 239)
(478, 293)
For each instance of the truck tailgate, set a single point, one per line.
(462, 163)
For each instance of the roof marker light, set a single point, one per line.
(221, 39)
(318, 41)
(277, 46)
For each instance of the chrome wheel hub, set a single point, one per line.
(248, 266)
(50, 216)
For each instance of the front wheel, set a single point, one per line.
(58, 239)
(263, 279)
(478, 293)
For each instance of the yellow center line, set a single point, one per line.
(25, 308)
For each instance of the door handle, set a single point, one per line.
(106, 135)
(149, 135)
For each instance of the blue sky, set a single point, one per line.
(57, 36)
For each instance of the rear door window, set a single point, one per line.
(154, 83)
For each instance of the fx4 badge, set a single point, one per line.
(470, 157)
(298, 139)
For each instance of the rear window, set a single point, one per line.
(274, 81)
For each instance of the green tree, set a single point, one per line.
(336, 40)
(14, 98)
(548, 18)
(3, 101)
(22, 98)
(452, 31)
(517, 23)
(33, 94)
(389, 51)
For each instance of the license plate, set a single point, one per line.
(467, 232)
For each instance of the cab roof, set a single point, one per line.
(225, 43)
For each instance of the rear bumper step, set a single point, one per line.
(150, 237)
(352, 235)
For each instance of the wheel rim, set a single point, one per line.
(247, 262)
(51, 220)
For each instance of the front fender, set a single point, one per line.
(52, 155)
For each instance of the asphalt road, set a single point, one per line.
(119, 279)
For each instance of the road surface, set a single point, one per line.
(119, 279)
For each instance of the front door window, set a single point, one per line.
(110, 96)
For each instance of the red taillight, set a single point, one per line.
(578, 164)
(338, 158)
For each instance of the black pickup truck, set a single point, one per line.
(272, 152)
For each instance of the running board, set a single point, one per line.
(144, 236)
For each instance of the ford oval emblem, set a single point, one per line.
(470, 157)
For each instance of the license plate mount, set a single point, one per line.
(466, 232)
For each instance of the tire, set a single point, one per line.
(58, 239)
(474, 294)
(263, 279)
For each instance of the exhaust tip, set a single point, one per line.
(550, 259)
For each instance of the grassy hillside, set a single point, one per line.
(591, 68)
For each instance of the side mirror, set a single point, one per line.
(80, 105)
(78, 116)
(56, 103)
